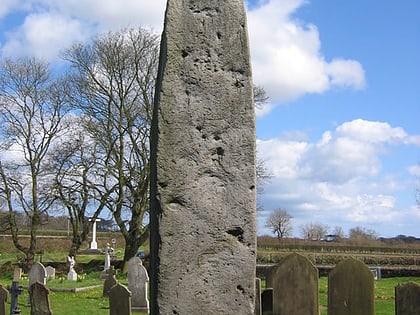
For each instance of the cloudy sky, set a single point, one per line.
(340, 134)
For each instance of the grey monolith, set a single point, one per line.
(203, 225)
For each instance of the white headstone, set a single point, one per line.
(50, 272)
(72, 274)
(137, 284)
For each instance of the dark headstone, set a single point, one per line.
(257, 296)
(3, 299)
(267, 301)
(407, 299)
(203, 212)
(39, 297)
(295, 287)
(109, 282)
(351, 289)
(119, 300)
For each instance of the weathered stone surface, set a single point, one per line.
(203, 231)
(138, 279)
(3, 299)
(39, 297)
(119, 300)
(351, 289)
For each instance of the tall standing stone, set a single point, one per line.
(203, 226)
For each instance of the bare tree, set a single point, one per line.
(280, 222)
(31, 108)
(114, 86)
(314, 231)
(339, 232)
(361, 233)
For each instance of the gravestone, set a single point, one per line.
(72, 274)
(50, 272)
(267, 301)
(3, 299)
(109, 282)
(119, 300)
(407, 299)
(295, 287)
(15, 291)
(203, 217)
(93, 243)
(37, 273)
(257, 297)
(137, 284)
(39, 297)
(351, 289)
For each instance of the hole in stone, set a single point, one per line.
(199, 128)
(240, 288)
(216, 137)
(238, 232)
(220, 151)
(219, 35)
(184, 53)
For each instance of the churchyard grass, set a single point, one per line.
(69, 303)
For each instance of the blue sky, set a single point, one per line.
(341, 132)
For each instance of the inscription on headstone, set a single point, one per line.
(203, 217)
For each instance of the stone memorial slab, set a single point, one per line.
(295, 286)
(119, 300)
(39, 297)
(50, 272)
(109, 282)
(407, 299)
(37, 273)
(351, 289)
(137, 284)
(3, 299)
(203, 212)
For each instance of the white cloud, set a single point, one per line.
(44, 35)
(286, 55)
(337, 180)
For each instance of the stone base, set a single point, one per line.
(104, 275)
(144, 309)
(72, 275)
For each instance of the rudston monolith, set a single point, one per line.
(203, 231)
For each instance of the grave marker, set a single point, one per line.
(37, 273)
(39, 297)
(109, 282)
(407, 299)
(119, 300)
(351, 289)
(295, 287)
(203, 217)
(137, 284)
(3, 299)
(50, 272)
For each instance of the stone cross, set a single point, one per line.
(93, 243)
(39, 297)
(137, 284)
(3, 299)
(15, 291)
(203, 213)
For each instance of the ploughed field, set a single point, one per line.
(394, 258)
